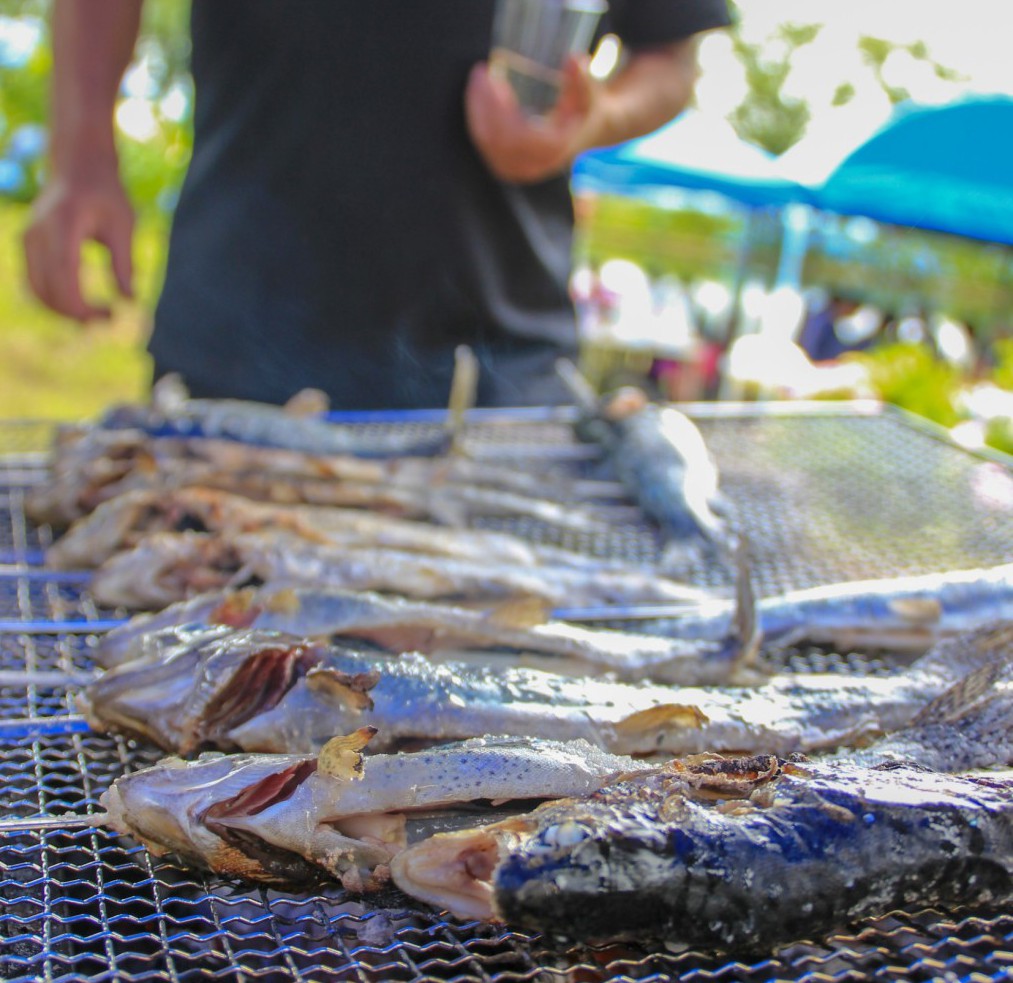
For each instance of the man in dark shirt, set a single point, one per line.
(363, 195)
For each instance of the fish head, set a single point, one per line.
(455, 871)
(185, 808)
(163, 568)
(211, 683)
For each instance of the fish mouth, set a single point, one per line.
(243, 853)
(453, 871)
(185, 706)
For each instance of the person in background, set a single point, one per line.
(819, 338)
(363, 196)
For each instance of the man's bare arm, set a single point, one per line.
(652, 87)
(84, 199)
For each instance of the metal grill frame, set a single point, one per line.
(86, 905)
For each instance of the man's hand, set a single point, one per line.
(67, 214)
(653, 85)
(84, 200)
(521, 149)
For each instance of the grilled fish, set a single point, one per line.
(283, 819)
(91, 465)
(895, 613)
(256, 690)
(166, 567)
(120, 523)
(749, 851)
(296, 426)
(400, 625)
(660, 456)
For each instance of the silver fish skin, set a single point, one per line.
(91, 465)
(256, 690)
(903, 614)
(145, 634)
(401, 625)
(661, 457)
(746, 852)
(167, 567)
(283, 819)
(173, 413)
(120, 523)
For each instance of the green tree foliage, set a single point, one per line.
(910, 376)
(767, 116)
(152, 167)
(876, 52)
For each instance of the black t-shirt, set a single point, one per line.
(337, 229)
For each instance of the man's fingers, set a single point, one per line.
(576, 93)
(64, 276)
(118, 240)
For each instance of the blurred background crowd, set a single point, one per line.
(686, 290)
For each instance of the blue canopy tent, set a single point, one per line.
(942, 168)
(694, 151)
(697, 151)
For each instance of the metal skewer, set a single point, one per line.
(30, 728)
(41, 824)
(45, 677)
(76, 626)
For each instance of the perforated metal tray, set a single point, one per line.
(824, 493)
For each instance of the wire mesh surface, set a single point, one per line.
(822, 496)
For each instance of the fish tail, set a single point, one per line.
(968, 726)
(745, 622)
(954, 703)
(988, 647)
(463, 393)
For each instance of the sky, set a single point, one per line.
(971, 37)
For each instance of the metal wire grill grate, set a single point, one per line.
(823, 496)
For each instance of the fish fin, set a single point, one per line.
(667, 716)
(952, 659)
(308, 402)
(284, 601)
(745, 621)
(145, 462)
(624, 403)
(169, 394)
(341, 757)
(238, 609)
(351, 689)
(463, 393)
(917, 610)
(520, 612)
(952, 704)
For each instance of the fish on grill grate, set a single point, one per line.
(899, 614)
(296, 426)
(660, 456)
(90, 465)
(255, 690)
(122, 522)
(401, 625)
(752, 851)
(163, 568)
(285, 819)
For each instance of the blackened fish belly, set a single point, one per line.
(740, 852)
(754, 851)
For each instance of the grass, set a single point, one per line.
(52, 368)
